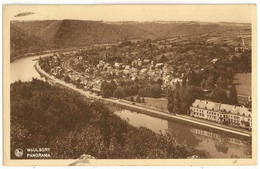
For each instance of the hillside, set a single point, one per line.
(35, 36)
(70, 125)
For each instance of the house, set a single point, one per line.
(106, 65)
(144, 70)
(74, 77)
(109, 68)
(57, 71)
(146, 61)
(176, 80)
(97, 85)
(134, 70)
(214, 61)
(133, 77)
(78, 59)
(90, 85)
(222, 113)
(53, 71)
(152, 67)
(60, 72)
(158, 65)
(127, 67)
(83, 80)
(134, 63)
(117, 65)
(101, 63)
(126, 72)
(166, 79)
(139, 62)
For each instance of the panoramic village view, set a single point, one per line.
(131, 90)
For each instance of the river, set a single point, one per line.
(23, 68)
(216, 144)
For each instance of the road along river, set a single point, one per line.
(217, 144)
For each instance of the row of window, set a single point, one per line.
(231, 119)
(213, 113)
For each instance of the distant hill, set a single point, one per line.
(36, 36)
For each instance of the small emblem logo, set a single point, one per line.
(18, 152)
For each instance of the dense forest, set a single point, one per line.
(71, 125)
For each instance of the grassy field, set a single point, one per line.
(159, 103)
(243, 84)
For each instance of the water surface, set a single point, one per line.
(216, 144)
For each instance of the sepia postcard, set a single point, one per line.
(113, 85)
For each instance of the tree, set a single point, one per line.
(119, 92)
(156, 90)
(177, 85)
(188, 96)
(170, 100)
(176, 102)
(107, 89)
(194, 78)
(184, 81)
(159, 81)
(233, 95)
(203, 84)
(209, 83)
(143, 101)
(138, 100)
(71, 125)
(40, 61)
(221, 82)
(67, 79)
(219, 95)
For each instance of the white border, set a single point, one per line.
(137, 2)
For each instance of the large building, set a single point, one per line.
(222, 113)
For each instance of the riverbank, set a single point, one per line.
(150, 112)
(71, 49)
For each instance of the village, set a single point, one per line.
(140, 70)
(90, 74)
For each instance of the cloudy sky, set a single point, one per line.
(205, 13)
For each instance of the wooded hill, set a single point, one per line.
(37, 36)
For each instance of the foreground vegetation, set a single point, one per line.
(70, 125)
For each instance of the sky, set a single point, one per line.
(204, 13)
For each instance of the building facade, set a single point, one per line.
(222, 113)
